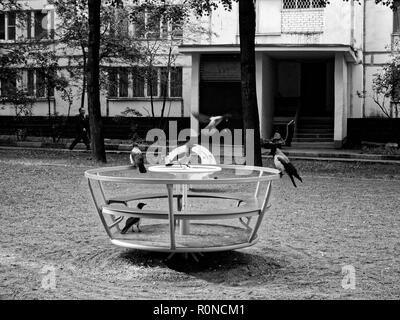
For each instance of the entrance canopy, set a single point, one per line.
(282, 50)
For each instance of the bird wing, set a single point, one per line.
(201, 117)
(280, 163)
(214, 121)
(289, 168)
(281, 155)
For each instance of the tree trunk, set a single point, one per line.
(84, 76)
(93, 85)
(247, 28)
(166, 83)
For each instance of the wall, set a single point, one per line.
(378, 27)
(330, 25)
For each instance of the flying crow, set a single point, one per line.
(283, 164)
(137, 159)
(212, 122)
(130, 222)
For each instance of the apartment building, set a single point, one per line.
(314, 64)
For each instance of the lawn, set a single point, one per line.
(343, 214)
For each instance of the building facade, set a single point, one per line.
(314, 64)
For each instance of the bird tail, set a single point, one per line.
(291, 178)
(298, 177)
(142, 168)
(131, 221)
(127, 226)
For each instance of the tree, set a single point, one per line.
(93, 78)
(386, 88)
(247, 28)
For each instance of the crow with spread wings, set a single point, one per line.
(211, 121)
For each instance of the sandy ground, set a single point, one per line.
(344, 214)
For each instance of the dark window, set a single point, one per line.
(112, 83)
(11, 25)
(176, 30)
(176, 82)
(40, 25)
(123, 83)
(164, 28)
(318, 3)
(50, 80)
(164, 82)
(40, 84)
(29, 24)
(303, 4)
(152, 82)
(2, 26)
(139, 25)
(153, 26)
(138, 76)
(9, 85)
(31, 82)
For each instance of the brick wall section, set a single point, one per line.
(303, 21)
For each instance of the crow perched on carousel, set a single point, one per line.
(283, 164)
(137, 159)
(131, 222)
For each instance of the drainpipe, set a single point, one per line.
(352, 24)
(363, 56)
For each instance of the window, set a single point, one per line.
(2, 26)
(9, 85)
(303, 4)
(138, 82)
(36, 83)
(164, 82)
(11, 25)
(152, 82)
(40, 84)
(31, 83)
(113, 83)
(123, 83)
(151, 25)
(176, 29)
(139, 27)
(146, 82)
(176, 82)
(41, 31)
(29, 24)
(118, 82)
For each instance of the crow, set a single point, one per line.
(130, 222)
(137, 159)
(283, 164)
(211, 122)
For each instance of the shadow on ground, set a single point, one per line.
(229, 267)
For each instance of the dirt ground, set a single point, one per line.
(344, 214)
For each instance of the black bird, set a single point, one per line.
(283, 164)
(137, 159)
(133, 221)
(212, 122)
